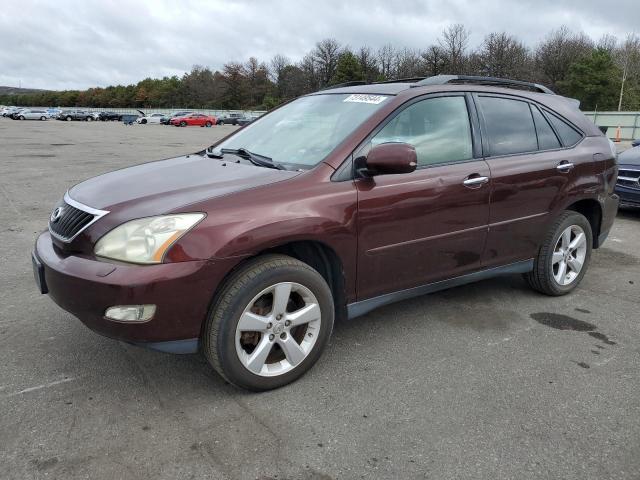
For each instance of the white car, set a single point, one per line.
(32, 114)
(151, 118)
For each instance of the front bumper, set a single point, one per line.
(628, 196)
(86, 287)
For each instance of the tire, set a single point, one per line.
(68, 119)
(220, 122)
(90, 119)
(208, 124)
(222, 341)
(21, 117)
(43, 118)
(183, 124)
(547, 266)
(143, 121)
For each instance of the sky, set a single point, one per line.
(65, 44)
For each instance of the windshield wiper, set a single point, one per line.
(254, 158)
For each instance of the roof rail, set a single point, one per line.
(345, 84)
(402, 80)
(498, 82)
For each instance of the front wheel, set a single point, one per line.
(89, 119)
(43, 118)
(69, 119)
(269, 323)
(21, 117)
(183, 124)
(564, 256)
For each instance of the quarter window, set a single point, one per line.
(567, 133)
(438, 128)
(547, 139)
(509, 126)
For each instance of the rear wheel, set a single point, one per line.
(183, 124)
(269, 323)
(89, 119)
(208, 124)
(143, 121)
(69, 119)
(21, 117)
(43, 118)
(564, 256)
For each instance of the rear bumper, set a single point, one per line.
(609, 212)
(86, 287)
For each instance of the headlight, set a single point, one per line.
(145, 240)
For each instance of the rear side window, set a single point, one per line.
(438, 128)
(567, 133)
(547, 139)
(509, 126)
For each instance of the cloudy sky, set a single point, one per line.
(59, 44)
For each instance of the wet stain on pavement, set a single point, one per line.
(565, 322)
(562, 322)
(582, 310)
(42, 465)
(609, 257)
(583, 365)
(602, 337)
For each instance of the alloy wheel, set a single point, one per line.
(569, 255)
(278, 329)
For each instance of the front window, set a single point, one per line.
(302, 133)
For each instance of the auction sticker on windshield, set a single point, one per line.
(363, 98)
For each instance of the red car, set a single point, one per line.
(332, 205)
(198, 119)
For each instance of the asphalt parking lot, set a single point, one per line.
(485, 381)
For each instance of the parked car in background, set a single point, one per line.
(109, 116)
(330, 206)
(53, 112)
(151, 118)
(636, 143)
(70, 115)
(166, 120)
(7, 111)
(247, 120)
(194, 119)
(231, 119)
(16, 113)
(628, 183)
(32, 114)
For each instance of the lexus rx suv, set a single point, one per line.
(326, 208)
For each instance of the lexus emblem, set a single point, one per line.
(56, 214)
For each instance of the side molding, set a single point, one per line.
(357, 309)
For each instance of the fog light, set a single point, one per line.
(131, 313)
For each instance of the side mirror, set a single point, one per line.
(388, 159)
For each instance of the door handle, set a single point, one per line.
(475, 180)
(565, 166)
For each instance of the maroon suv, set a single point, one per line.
(330, 206)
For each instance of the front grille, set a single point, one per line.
(629, 178)
(70, 218)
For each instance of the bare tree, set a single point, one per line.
(386, 54)
(502, 55)
(628, 60)
(433, 60)
(368, 63)
(453, 43)
(556, 53)
(406, 63)
(326, 56)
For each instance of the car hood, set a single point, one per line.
(168, 185)
(630, 157)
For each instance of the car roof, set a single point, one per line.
(563, 106)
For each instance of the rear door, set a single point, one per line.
(430, 224)
(531, 167)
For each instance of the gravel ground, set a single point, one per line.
(487, 381)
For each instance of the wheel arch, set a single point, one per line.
(319, 256)
(592, 210)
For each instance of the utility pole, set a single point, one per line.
(624, 78)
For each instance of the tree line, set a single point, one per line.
(570, 63)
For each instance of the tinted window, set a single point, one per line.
(547, 139)
(509, 126)
(437, 127)
(567, 133)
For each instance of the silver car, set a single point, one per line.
(32, 114)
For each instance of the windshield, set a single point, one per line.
(302, 133)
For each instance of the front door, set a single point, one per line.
(431, 224)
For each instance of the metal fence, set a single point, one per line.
(629, 123)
